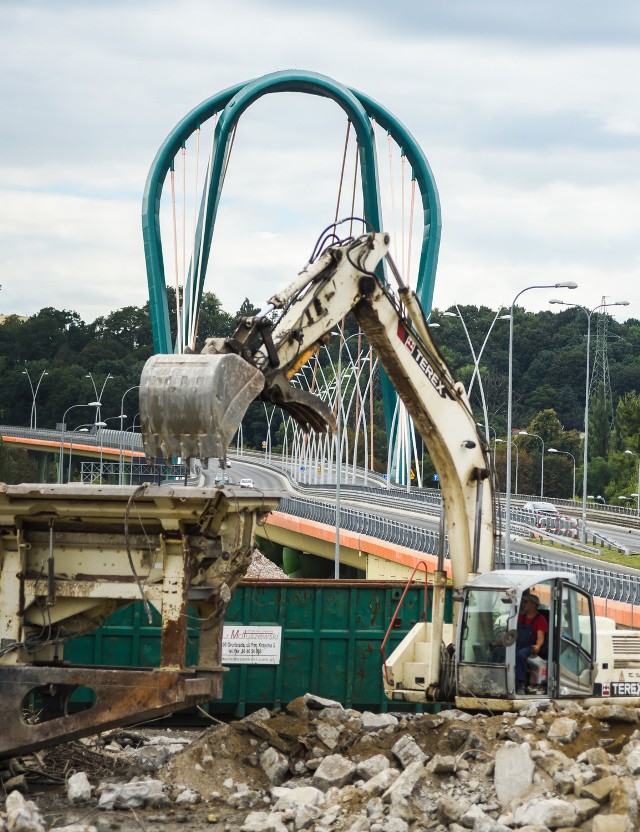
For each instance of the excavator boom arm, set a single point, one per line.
(343, 280)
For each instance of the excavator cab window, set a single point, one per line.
(485, 637)
(486, 620)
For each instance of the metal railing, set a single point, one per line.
(602, 582)
(138, 472)
(107, 438)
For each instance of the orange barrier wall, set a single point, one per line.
(353, 540)
(68, 445)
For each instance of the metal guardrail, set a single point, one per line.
(106, 439)
(604, 583)
(363, 522)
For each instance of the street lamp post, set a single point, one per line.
(121, 449)
(101, 425)
(631, 453)
(79, 429)
(336, 555)
(267, 442)
(507, 542)
(495, 439)
(566, 453)
(589, 313)
(64, 428)
(95, 390)
(133, 430)
(526, 433)
(33, 421)
(476, 362)
(517, 460)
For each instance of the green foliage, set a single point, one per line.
(16, 465)
(628, 421)
(600, 475)
(549, 365)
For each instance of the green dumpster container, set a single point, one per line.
(330, 640)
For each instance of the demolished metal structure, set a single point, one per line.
(71, 555)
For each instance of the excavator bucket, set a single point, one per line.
(191, 405)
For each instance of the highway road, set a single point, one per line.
(269, 479)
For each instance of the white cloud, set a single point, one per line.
(528, 116)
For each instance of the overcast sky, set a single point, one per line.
(529, 115)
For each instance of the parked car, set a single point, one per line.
(547, 509)
(246, 482)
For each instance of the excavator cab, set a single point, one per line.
(492, 661)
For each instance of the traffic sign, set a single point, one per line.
(436, 478)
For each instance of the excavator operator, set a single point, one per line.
(532, 631)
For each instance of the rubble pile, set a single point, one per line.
(552, 767)
(261, 568)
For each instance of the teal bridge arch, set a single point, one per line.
(228, 105)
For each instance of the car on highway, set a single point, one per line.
(246, 482)
(545, 509)
(221, 479)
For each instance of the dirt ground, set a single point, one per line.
(222, 757)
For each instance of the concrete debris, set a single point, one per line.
(563, 730)
(372, 766)
(375, 722)
(187, 797)
(318, 702)
(133, 795)
(22, 815)
(274, 765)
(334, 771)
(513, 772)
(79, 788)
(321, 767)
(407, 751)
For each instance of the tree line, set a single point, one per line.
(549, 374)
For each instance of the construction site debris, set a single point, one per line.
(261, 568)
(319, 766)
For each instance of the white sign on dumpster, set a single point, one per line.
(243, 644)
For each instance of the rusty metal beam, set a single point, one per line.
(122, 697)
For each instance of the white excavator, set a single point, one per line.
(191, 406)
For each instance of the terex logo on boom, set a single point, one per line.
(423, 362)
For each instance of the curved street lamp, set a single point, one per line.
(80, 429)
(589, 313)
(121, 448)
(476, 363)
(507, 542)
(517, 458)
(64, 430)
(34, 392)
(495, 439)
(555, 451)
